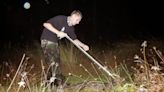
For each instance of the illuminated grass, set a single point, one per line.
(84, 76)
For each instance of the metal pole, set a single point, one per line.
(90, 57)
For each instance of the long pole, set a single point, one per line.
(90, 57)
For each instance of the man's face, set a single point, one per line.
(75, 19)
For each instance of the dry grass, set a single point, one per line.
(82, 75)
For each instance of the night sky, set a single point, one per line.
(104, 20)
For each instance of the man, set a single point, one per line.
(56, 28)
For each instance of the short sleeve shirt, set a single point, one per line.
(60, 23)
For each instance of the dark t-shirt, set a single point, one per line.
(60, 23)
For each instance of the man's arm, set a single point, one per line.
(79, 43)
(54, 30)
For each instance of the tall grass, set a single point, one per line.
(140, 69)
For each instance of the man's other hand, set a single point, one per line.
(61, 35)
(85, 47)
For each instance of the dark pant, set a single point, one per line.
(52, 58)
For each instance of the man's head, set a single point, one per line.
(75, 17)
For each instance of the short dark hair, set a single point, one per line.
(77, 12)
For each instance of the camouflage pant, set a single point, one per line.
(52, 58)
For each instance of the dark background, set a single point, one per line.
(103, 20)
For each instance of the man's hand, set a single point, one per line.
(85, 47)
(82, 45)
(61, 35)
